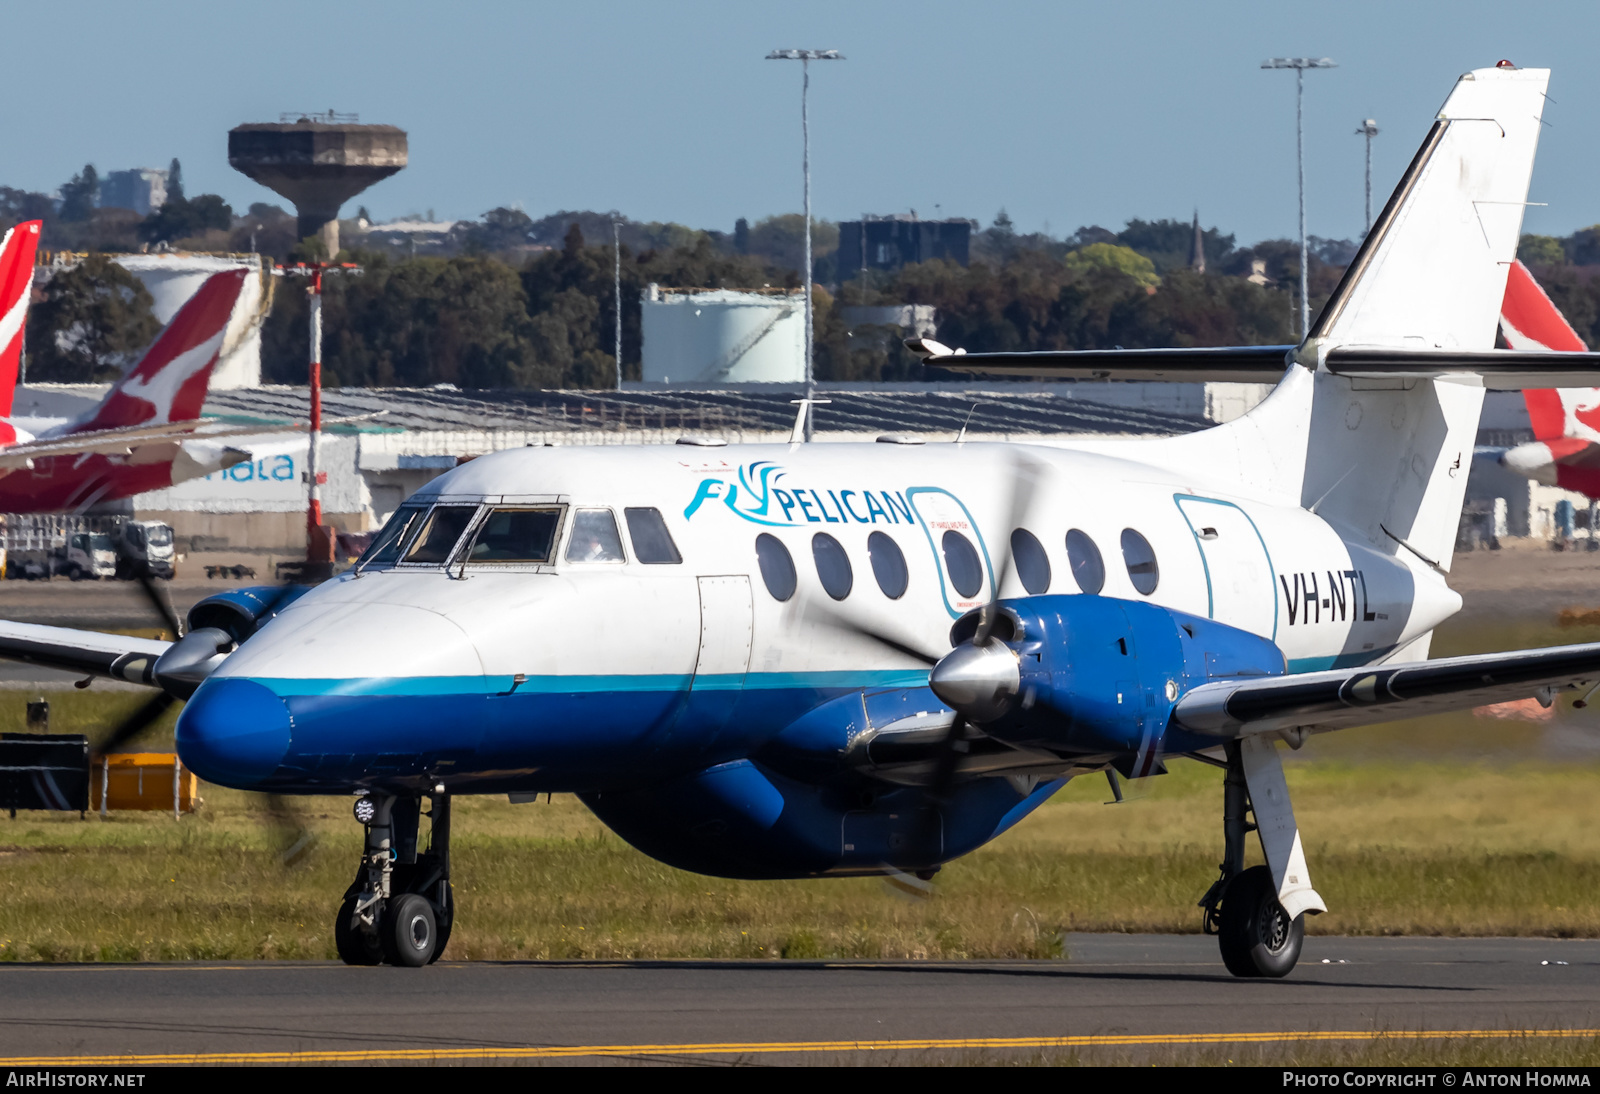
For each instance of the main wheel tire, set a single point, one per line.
(444, 918)
(355, 946)
(1257, 937)
(409, 931)
(75, 573)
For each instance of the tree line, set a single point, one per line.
(520, 302)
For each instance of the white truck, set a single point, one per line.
(87, 547)
(144, 547)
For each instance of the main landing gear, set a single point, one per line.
(400, 908)
(1245, 908)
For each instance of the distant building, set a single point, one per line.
(142, 189)
(889, 242)
(916, 320)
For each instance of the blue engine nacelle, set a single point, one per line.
(242, 612)
(1098, 675)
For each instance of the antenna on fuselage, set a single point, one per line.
(962, 436)
(797, 435)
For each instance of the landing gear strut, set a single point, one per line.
(400, 908)
(1256, 935)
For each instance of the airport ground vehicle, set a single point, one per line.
(44, 546)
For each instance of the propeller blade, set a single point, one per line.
(163, 605)
(944, 767)
(135, 724)
(814, 612)
(1024, 481)
(292, 830)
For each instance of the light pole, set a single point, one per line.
(616, 254)
(1369, 129)
(1300, 64)
(805, 57)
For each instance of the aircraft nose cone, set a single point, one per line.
(234, 733)
(977, 681)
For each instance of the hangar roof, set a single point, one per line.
(1044, 409)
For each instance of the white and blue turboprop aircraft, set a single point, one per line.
(842, 659)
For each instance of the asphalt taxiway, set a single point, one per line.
(1126, 990)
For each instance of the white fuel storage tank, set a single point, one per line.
(717, 336)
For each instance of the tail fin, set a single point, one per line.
(1530, 320)
(1389, 458)
(17, 252)
(169, 383)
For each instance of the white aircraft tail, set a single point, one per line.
(1387, 455)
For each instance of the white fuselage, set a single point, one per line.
(1272, 568)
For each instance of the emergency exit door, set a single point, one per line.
(1239, 581)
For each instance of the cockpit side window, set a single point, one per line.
(517, 535)
(594, 537)
(652, 543)
(386, 547)
(432, 545)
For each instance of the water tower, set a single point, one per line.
(318, 162)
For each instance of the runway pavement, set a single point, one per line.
(1122, 990)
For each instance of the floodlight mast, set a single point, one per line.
(1369, 129)
(1300, 64)
(805, 57)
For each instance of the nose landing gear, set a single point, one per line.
(400, 908)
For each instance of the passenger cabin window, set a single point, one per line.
(652, 543)
(517, 535)
(1141, 561)
(386, 547)
(1033, 565)
(777, 567)
(833, 565)
(961, 562)
(594, 537)
(440, 534)
(1088, 569)
(888, 565)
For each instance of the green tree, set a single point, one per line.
(502, 229)
(182, 218)
(80, 194)
(416, 323)
(1109, 256)
(175, 180)
(93, 322)
(1166, 243)
(1541, 251)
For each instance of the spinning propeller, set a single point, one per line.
(979, 678)
(179, 672)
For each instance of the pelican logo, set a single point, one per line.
(753, 494)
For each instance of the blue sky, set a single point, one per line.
(1063, 113)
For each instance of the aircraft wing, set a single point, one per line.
(117, 656)
(126, 441)
(1498, 370)
(1343, 698)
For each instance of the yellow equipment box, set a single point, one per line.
(154, 781)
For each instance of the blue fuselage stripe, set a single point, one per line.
(609, 684)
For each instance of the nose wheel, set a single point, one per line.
(401, 906)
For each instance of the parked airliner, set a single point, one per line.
(146, 434)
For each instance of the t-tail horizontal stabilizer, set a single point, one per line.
(1421, 299)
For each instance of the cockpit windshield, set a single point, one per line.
(516, 535)
(440, 534)
(385, 548)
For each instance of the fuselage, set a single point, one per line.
(601, 669)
